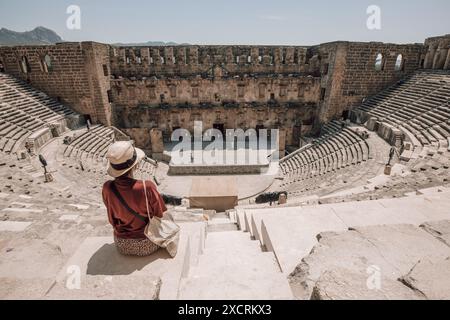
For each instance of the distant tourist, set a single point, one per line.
(43, 163)
(88, 125)
(391, 155)
(129, 208)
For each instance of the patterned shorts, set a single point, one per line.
(135, 247)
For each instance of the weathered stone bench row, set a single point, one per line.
(337, 148)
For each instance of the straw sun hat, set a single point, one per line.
(123, 157)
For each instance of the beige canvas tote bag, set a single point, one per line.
(163, 232)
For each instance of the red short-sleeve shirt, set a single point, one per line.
(125, 224)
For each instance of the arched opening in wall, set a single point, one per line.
(258, 128)
(260, 55)
(422, 63)
(399, 63)
(346, 114)
(87, 117)
(271, 56)
(220, 127)
(46, 64)
(24, 65)
(2, 66)
(237, 59)
(249, 59)
(137, 55)
(283, 56)
(379, 62)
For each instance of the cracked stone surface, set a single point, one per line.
(344, 284)
(392, 250)
(431, 279)
(439, 229)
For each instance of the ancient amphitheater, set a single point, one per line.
(353, 227)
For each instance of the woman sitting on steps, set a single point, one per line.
(126, 202)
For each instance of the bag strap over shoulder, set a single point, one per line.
(125, 204)
(146, 199)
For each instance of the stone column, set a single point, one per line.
(157, 142)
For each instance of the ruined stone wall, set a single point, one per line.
(139, 121)
(236, 102)
(353, 75)
(215, 91)
(194, 60)
(438, 53)
(285, 87)
(71, 72)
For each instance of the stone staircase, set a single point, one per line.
(290, 233)
(234, 267)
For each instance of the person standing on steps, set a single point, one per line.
(126, 203)
(88, 125)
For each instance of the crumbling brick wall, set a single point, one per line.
(74, 74)
(238, 86)
(353, 76)
(193, 60)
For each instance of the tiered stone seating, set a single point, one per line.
(88, 150)
(426, 172)
(338, 147)
(418, 106)
(24, 111)
(49, 227)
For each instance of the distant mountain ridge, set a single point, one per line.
(45, 36)
(38, 36)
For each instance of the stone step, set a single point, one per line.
(291, 233)
(222, 227)
(233, 267)
(97, 256)
(13, 226)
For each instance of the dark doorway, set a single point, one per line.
(220, 127)
(2, 67)
(346, 114)
(259, 127)
(296, 135)
(87, 117)
(54, 132)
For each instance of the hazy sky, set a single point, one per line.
(232, 21)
